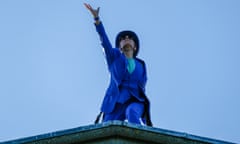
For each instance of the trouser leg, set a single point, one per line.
(134, 112)
(117, 114)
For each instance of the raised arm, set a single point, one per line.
(110, 53)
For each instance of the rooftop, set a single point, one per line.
(116, 132)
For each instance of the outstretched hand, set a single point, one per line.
(95, 12)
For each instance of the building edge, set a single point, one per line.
(117, 129)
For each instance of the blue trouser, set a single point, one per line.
(132, 111)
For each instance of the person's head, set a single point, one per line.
(127, 41)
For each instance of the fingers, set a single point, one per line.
(88, 6)
(94, 12)
(98, 9)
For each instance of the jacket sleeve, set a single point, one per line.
(110, 52)
(143, 80)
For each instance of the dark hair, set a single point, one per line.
(130, 34)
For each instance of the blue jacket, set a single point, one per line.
(117, 66)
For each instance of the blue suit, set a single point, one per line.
(124, 86)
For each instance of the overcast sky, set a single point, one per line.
(53, 74)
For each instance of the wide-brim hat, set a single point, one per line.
(130, 34)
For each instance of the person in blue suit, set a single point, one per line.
(125, 98)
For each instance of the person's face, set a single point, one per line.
(127, 43)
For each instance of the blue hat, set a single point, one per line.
(130, 34)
